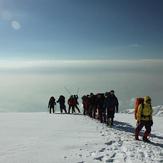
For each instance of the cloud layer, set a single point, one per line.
(80, 65)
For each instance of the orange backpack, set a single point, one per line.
(138, 101)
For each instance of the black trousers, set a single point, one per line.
(110, 116)
(73, 109)
(63, 107)
(146, 124)
(51, 109)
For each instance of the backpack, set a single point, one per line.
(138, 101)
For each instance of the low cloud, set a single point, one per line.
(76, 63)
(50, 66)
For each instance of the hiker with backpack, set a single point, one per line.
(76, 103)
(144, 118)
(71, 104)
(51, 104)
(100, 107)
(111, 105)
(92, 105)
(61, 102)
(85, 102)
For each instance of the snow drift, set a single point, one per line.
(63, 138)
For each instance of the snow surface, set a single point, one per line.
(63, 138)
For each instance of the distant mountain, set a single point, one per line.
(157, 110)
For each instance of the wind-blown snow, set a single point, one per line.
(56, 138)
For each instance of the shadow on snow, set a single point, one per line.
(68, 114)
(122, 126)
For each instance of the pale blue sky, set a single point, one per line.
(81, 29)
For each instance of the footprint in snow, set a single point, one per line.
(99, 158)
(80, 155)
(110, 160)
(110, 142)
(102, 150)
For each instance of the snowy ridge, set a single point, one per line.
(157, 111)
(63, 138)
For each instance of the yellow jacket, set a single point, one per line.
(144, 113)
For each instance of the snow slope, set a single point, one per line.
(56, 138)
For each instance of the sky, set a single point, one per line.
(81, 29)
(49, 47)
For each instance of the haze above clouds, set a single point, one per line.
(27, 85)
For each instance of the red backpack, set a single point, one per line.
(138, 101)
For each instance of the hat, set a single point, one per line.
(112, 91)
(106, 93)
(147, 98)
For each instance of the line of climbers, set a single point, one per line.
(101, 106)
(72, 104)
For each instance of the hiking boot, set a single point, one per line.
(137, 137)
(146, 140)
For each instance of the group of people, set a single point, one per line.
(101, 106)
(72, 104)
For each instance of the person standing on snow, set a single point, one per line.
(76, 103)
(85, 102)
(92, 105)
(51, 104)
(61, 102)
(111, 104)
(71, 104)
(100, 107)
(144, 118)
